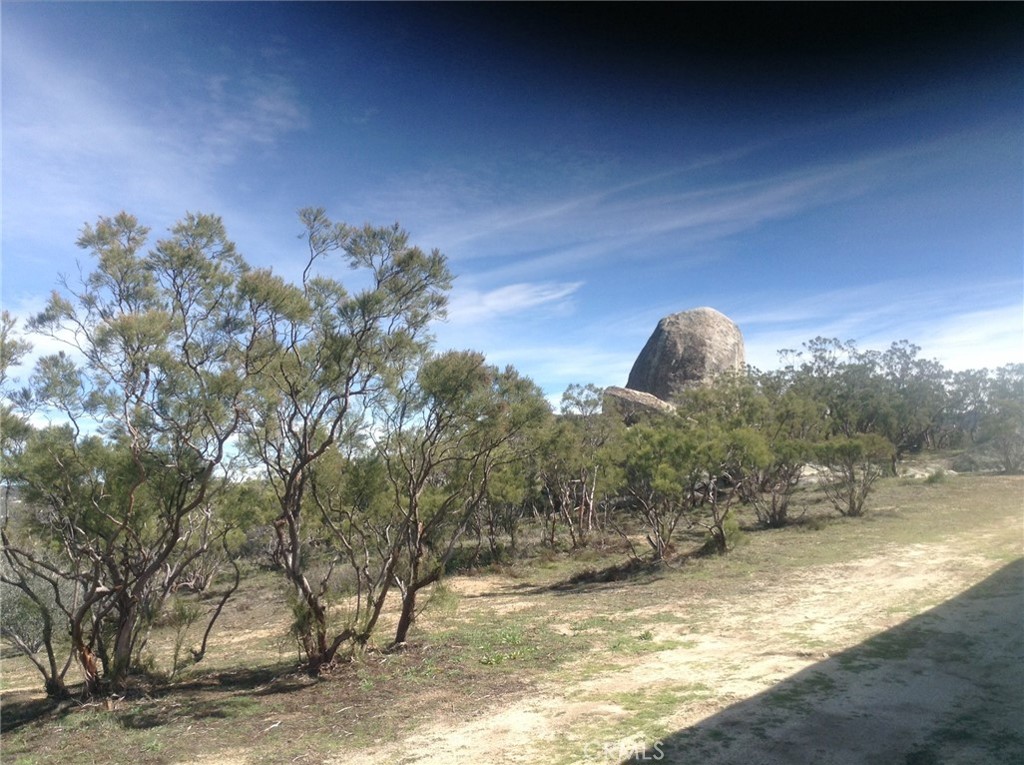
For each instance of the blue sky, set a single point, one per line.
(852, 172)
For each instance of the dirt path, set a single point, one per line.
(785, 676)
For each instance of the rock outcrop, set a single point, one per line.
(687, 349)
(633, 405)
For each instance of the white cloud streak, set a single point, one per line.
(472, 306)
(553, 236)
(74, 148)
(943, 322)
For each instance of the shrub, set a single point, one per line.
(850, 467)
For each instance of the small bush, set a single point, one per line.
(976, 460)
(733, 532)
(719, 541)
(849, 469)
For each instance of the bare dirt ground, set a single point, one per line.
(888, 658)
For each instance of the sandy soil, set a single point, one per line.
(786, 677)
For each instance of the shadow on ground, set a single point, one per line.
(635, 572)
(944, 687)
(208, 696)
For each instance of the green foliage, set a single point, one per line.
(775, 423)
(724, 537)
(850, 468)
(1003, 424)
(894, 394)
(26, 614)
(371, 462)
(163, 344)
(13, 347)
(574, 465)
(661, 468)
(443, 436)
(180, 616)
(330, 354)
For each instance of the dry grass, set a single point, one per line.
(495, 639)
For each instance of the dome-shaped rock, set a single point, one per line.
(686, 349)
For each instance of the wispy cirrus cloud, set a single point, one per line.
(590, 191)
(548, 234)
(235, 113)
(473, 306)
(944, 322)
(551, 231)
(76, 146)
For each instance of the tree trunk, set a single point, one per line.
(408, 615)
(123, 643)
(407, 618)
(86, 658)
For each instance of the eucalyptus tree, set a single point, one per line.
(590, 429)
(573, 459)
(144, 404)
(851, 465)
(914, 399)
(448, 429)
(333, 353)
(661, 472)
(843, 383)
(967, 405)
(1003, 424)
(894, 394)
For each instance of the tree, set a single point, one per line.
(30, 592)
(661, 472)
(850, 468)
(915, 399)
(844, 384)
(162, 345)
(442, 438)
(14, 426)
(572, 459)
(968, 395)
(893, 394)
(359, 533)
(1003, 424)
(759, 428)
(332, 353)
(503, 508)
(790, 423)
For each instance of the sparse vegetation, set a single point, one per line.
(217, 429)
(494, 642)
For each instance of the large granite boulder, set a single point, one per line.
(632, 406)
(687, 349)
